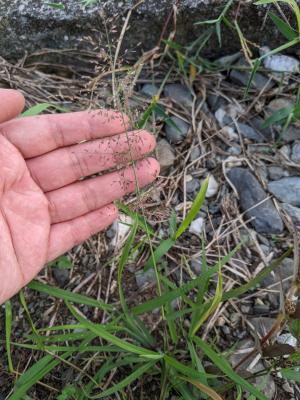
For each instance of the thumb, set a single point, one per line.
(11, 104)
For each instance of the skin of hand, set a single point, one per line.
(45, 208)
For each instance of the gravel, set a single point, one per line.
(282, 275)
(292, 133)
(196, 266)
(216, 102)
(212, 188)
(286, 190)
(179, 94)
(149, 90)
(165, 155)
(266, 218)
(295, 156)
(250, 133)
(176, 134)
(192, 185)
(195, 154)
(293, 212)
(259, 82)
(280, 63)
(61, 276)
(276, 172)
(258, 124)
(144, 278)
(196, 227)
(265, 383)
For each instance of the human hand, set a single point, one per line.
(45, 209)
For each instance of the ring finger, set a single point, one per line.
(85, 196)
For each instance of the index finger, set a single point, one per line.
(34, 136)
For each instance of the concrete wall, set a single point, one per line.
(29, 25)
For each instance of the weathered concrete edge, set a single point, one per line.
(27, 26)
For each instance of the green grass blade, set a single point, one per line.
(62, 349)
(292, 3)
(58, 6)
(256, 65)
(141, 370)
(135, 326)
(68, 296)
(34, 374)
(291, 374)
(136, 216)
(171, 324)
(174, 294)
(281, 48)
(123, 260)
(278, 116)
(197, 204)
(8, 324)
(36, 335)
(39, 108)
(104, 334)
(159, 252)
(283, 27)
(203, 388)
(212, 308)
(63, 337)
(225, 367)
(109, 365)
(145, 117)
(186, 370)
(61, 327)
(169, 296)
(234, 293)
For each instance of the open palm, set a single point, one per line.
(45, 206)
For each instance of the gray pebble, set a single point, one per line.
(226, 330)
(295, 157)
(150, 90)
(195, 154)
(242, 78)
(229, 59)
(276, 172)
(235, 150)
(293, 212)
(176, 134)
(292, 133)
(196, 266)
(216, 102)
(278, 104)
(144, 278)
(192, 186)
(179, 94)
(286, 190)
(261, 309)
(282, 275)
(266, 218)
(258, 124)
(265, 384)
(245, 309)
(61, 276)
(165, 155)
(250, 133)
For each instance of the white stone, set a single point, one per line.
(213, 187)
(287, 338)
(281, 63)
(122, 227)
(230, 133)
(220, 115)
(196, 226)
